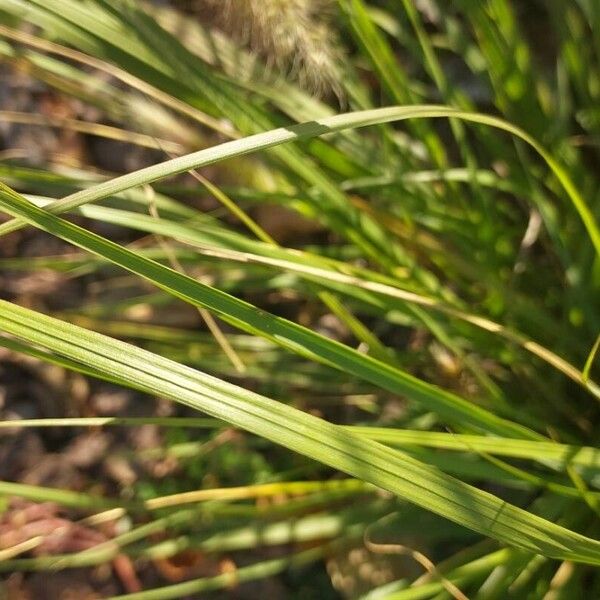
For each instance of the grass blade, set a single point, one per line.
(285, 333)
(281, 135)
(305, 434)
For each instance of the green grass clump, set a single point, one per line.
(432, 333)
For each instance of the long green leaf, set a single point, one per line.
(285, 333)
(558, 455)
(544, 452)
(303, 433)
(281, 135)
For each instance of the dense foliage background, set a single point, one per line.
(299, 298)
